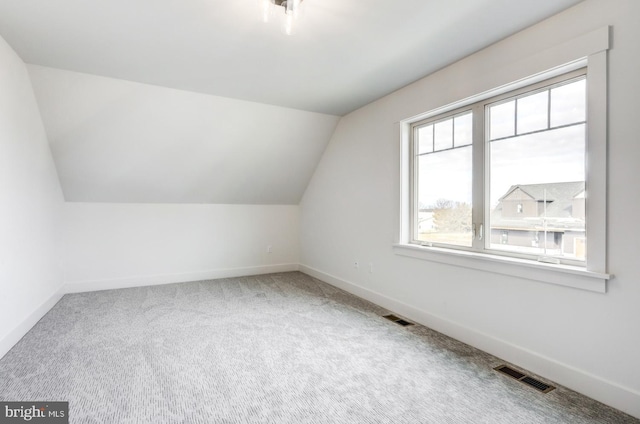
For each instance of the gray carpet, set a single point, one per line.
(279, 348)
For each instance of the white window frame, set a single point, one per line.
(592, 48)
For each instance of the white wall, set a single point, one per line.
(125, 142)
(164, 185)
(30, 203)
(121, 245)
(45, 242)
(585, 340)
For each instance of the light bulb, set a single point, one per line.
(266, 9)
(292, 9)
(288, 24)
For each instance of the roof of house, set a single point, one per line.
(554, 191)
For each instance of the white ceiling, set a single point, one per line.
(345, 53)
(198, 101)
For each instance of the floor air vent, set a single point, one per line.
(397, 320)
(544, 388)
(523, 378)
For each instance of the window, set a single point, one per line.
(443, 179)
(533, 143)
(513, 180)
(536, 143)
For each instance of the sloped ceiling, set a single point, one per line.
(198, 101)
(120, 141)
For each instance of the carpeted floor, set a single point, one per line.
(279, 348)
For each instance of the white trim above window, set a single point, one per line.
(593, 48)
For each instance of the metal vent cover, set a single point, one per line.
(397, 320)
(391, 317)
(537, 384)
(523, 378)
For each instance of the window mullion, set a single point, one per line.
(479, 165)
(413, 158)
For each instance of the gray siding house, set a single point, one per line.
(547, 217)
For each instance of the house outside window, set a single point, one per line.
(549, 221)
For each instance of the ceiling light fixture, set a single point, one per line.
(291, 10)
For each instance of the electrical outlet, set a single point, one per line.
(269, 249)
(356, 265)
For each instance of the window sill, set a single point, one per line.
(564, 275)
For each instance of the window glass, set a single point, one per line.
(443, 186)
(538, 183)
(443, 138)
(569, 103)
(463, 130)
(425, 139)
(533, 112)
(502, 120)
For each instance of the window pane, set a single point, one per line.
(425, 139)
(444, 197)
(444, 135)
(537, 193)
(463, 129)
(533, 112)
(568, 103)
(502, 120)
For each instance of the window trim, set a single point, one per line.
(593, 277)
(563, 275)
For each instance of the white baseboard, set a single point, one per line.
(607, 392)
(153, 280)
(14, 336)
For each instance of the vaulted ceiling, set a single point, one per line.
(112, 78)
